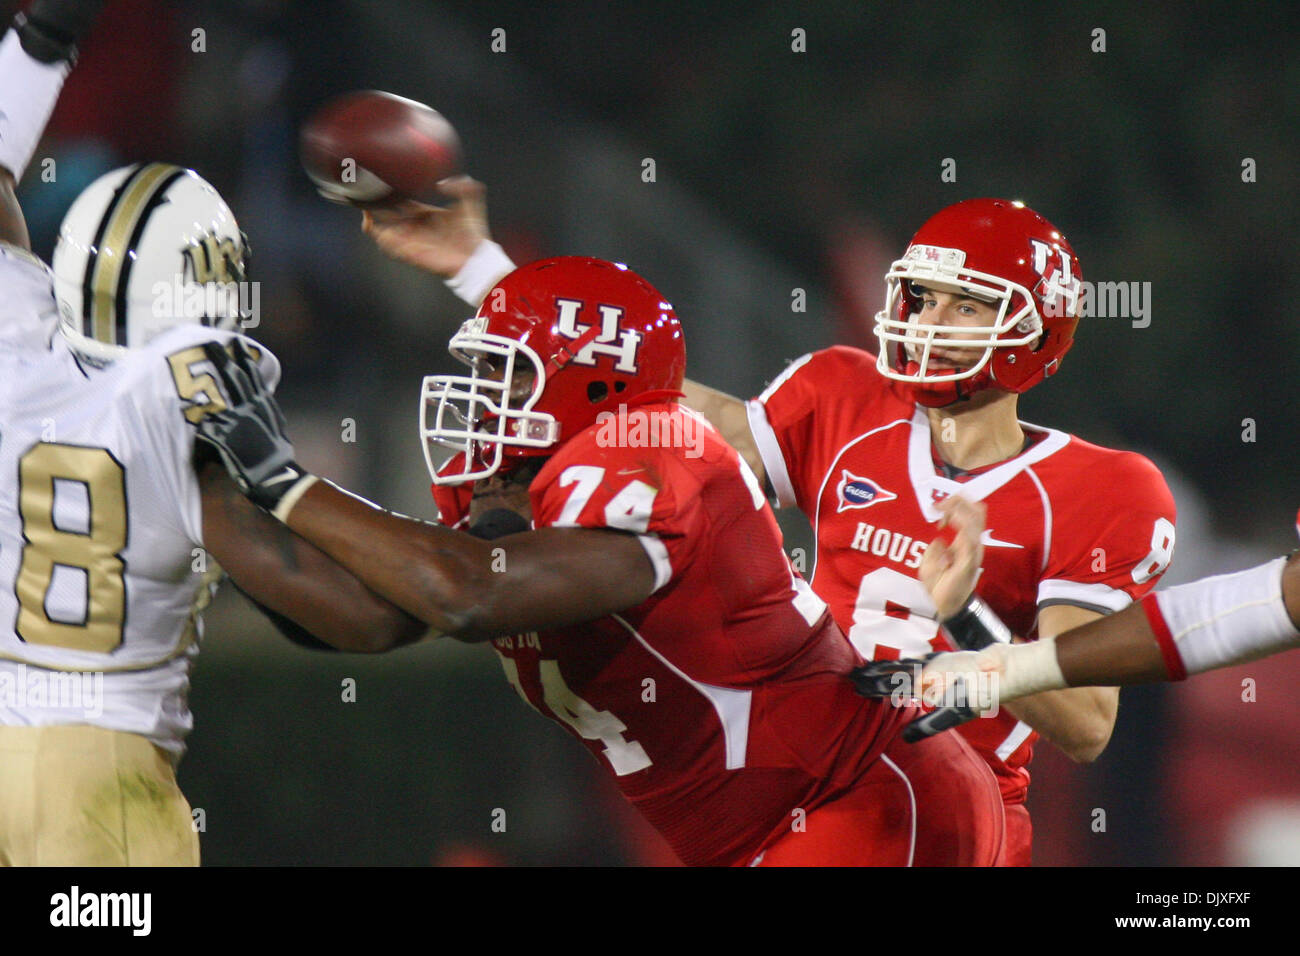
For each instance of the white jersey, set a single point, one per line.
(102, 572)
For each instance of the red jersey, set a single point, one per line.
(1068, 522)
(721, 703)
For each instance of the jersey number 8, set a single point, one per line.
(50, 550)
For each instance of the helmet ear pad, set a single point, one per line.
(1020, 369)
(145, 248)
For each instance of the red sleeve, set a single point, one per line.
(643, 491)
(453, 500)
(803, 417)
(1112, 535)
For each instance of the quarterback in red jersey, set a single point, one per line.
(650, 610)
(981, 307)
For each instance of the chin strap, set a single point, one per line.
(567, 353)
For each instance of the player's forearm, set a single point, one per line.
(432, 573)
(330, 605)
(1215, 622)
(286, 574)
(1119, 649)
(471, 589)
(1079, 721)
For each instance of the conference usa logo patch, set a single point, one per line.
(854, 491)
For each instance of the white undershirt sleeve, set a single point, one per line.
(1223, 620)
(485, 267)
(28, 91)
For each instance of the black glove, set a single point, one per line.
(937, 721)
(50, 29)
(889, 679)
(894, 679)
(249, 435)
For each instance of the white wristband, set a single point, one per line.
(1028, 668)
(28, 91)
(1018, 670)
(1227, 619)
(292, 497)
(486, 266)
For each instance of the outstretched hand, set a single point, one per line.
(437, 239)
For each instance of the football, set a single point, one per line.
(374, 147)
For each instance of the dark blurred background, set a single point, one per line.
(776, 170)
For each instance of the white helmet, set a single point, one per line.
(145, 248)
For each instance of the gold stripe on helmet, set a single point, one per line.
(110, 256)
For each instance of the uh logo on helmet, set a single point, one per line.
(999, 252)
(554, 344)
(145, 248)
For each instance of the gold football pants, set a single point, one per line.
(75, 795)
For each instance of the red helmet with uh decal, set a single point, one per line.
(996, 251)
(554, 344)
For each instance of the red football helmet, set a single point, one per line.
(593, 334)
(997, 251)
